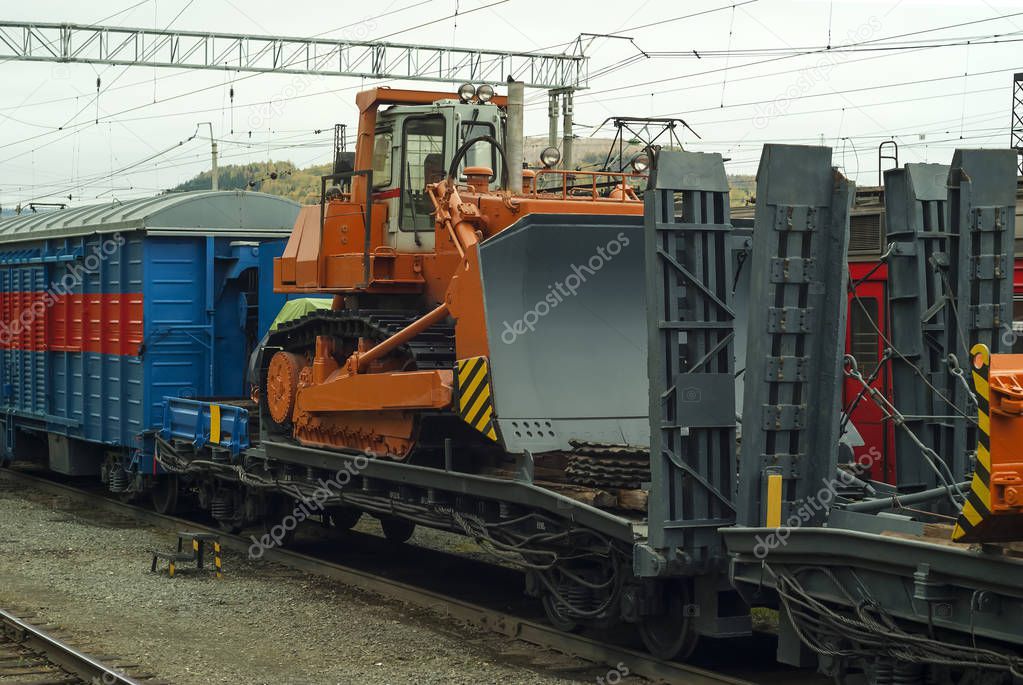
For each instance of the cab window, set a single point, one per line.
(422, 164)
(382, 158)
(480, 154)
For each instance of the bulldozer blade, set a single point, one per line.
(566, 320)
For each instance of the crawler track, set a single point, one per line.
(30, 655)
(509, 625)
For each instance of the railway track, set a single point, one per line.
(30, 655)
(508, 625)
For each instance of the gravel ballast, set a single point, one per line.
(88, 572)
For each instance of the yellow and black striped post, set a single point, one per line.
(978, 503)
(216, 559)
(475, 398)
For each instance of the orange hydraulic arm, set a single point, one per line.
(994, 508)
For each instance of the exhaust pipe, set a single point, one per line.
(513, 141)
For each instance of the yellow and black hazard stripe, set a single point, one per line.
(475, 398)
(978, 502)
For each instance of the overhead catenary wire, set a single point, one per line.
(126, 168)
(818, 50)
(79, 125)
(114, 116)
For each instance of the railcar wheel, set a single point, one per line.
(229, 527)
(278, 521)
(345, 518)
(672, 634)
(164, 495)
(397, 529)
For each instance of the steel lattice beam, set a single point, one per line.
(1017, 119)
(48, 42)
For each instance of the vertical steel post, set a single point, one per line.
(689, 279)
(920, 276)
(796, 335)
(982, 210)
(567, 133)
(214, 172)
(516, 97)
(552, 119)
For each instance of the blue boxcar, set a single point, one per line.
(105, 310)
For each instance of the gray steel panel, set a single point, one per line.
(790, 420)
(694, 171)
(742, 248)
(982, 209)
(972, 591)
(73, 457)
(566, 316)
(916, 209)
(690, 255)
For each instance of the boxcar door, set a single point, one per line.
(867, 320)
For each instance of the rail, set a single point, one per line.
(509, 625)
(62, 655)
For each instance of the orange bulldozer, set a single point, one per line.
(474, 301)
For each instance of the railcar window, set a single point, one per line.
(382, 158)
(863, 335)
(422, 164)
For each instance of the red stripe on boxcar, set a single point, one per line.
(108, 323)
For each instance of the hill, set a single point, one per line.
(303, 185)
(276, 178)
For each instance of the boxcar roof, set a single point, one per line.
(202, 212)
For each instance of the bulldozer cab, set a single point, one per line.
(413, 147)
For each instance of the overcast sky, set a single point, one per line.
(749, 85)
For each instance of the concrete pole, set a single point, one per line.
(214, 173)
(566, 148)
(516, 100)
(215, 170)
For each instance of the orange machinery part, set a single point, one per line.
(1006, 393)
